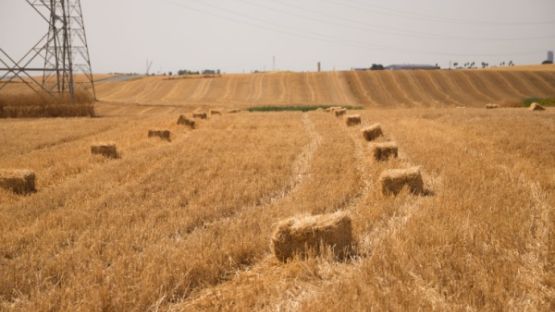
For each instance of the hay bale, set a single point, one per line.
(233, 111)
(183, 120)
(373, 132)
(312, 235)
(385, 150)
(162, 134)
(353, 120)
(491, 106)
(536, 107)
(105, 149)
(18, 181)
(394, 180)
(201, 115)
(340, 112)
(215, 112)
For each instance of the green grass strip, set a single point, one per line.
(542, 101)
(294, 108)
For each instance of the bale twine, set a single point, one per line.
(105, 149)
(340, 112)
(536, 107)
(202, 115)
(19, 181)
(312, 235)
(353, 120)
(183, 120)
(373, 132)
(491, 106)
(384, 151)
(394, 180)
(162, 134)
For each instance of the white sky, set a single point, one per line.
(244, 35)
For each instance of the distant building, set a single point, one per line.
(411, 67)
(550, 56)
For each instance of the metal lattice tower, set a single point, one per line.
(63, 52)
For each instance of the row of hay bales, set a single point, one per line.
(315, 235)
(23, 181)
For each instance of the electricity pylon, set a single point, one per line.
(63, 52)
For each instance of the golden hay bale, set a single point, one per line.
(18, 181)
(215, 112)
(202, 115)
(183, 120)
(340, 112)
(373, 132)
(105, 149)
(353, 120)
(536, 107)
(233, 111)
(312, 235)
(162, 134)
(491, 106)
(385, 150)
(394, 180)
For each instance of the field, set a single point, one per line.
(186, 225)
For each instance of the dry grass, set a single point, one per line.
(441, 88)
(187, 225)
(30, 104)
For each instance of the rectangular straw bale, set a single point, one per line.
(491, 106)
(215, 112)
(394, 180)
(353, 120)
(373, 132)
(200, 115)
(384, 150)
(105, 149)
(340, 112)
(19, 181)
(536, 107)
(183, 120)
(304, 236)
(162, 134)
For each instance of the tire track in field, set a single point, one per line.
(309, 83)
(299, 172)
(266, 266)
(442, 89)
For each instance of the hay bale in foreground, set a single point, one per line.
(21, 181)
(215, 112)
(394, 180)
(183, 120)
(162, 134)
(202, 115)
(385, 150)
(353, 120)
(536, 107)
(312, 235)
(373, 132)
(491, 106)
(105, 149)
(340, 112)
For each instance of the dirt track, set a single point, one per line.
(372, 89)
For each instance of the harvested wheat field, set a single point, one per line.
(413, 88)
(187, 224)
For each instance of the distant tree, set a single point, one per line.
(511, 64)
(456, 64)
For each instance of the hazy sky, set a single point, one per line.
(244, 35)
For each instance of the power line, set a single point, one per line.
(382, 30)
(433, 18)
(263, 24)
